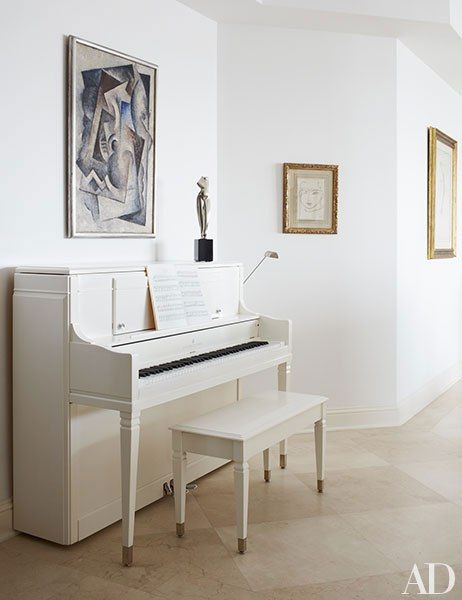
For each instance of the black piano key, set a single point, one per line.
(199, 358)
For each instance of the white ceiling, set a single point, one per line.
(430, 28)
(424, 10)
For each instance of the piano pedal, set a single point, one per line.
(169, 488)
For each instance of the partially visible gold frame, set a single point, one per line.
(435, 135)
(285, 209)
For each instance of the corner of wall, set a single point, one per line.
(429, 355)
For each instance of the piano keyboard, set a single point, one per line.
(199, 358)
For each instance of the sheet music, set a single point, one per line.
(190, 286)
(176, 296)
(166, 297)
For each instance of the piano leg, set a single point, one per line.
(179, 482)
(241, 495)
(129, 443)
(283, 386)
(320, 445)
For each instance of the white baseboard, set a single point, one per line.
(414, 403)
(6, 520)
(359, 417)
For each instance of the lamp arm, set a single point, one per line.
(253, 270)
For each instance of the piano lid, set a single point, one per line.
(82, 269)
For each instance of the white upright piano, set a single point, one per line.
(89, 368)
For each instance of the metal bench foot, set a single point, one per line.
(127, 556)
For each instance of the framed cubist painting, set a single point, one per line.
(442, 195)
(310, 198)
(112, 145)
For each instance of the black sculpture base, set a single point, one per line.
(203, 250)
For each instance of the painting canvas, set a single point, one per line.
(112, 118)
(310, 198)
(442, 194)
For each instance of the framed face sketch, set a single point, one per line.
(310, 198)
(111, 143)
(442, 195)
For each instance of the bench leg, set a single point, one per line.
(267, 464)
(283, 449)
(320, 447)
(129, 444)
(179, 482)
(241, 494)
(283, 386)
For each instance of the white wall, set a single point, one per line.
(374, 321)
(315, 97)
(32, 231)
(429, 291)
(455, 13)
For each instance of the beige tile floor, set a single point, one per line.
(393, 498)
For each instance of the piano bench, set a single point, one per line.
(239, 431)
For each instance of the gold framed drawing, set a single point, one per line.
(442, 195)
(310, 198)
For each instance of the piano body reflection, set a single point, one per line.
(89, 367)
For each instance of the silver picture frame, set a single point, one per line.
(126, 229)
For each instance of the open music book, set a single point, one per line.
(176, 296)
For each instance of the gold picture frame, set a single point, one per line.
(310, 198)
(442, 195)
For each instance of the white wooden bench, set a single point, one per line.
(239, 431)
